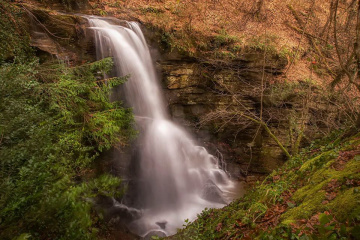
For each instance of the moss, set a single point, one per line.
(351, 145)
(288, 222)
(271, 194)
(346, 206)
(311, 196)
(351, 170)
(310, 205)
(309, 191)
(326, 172)
(239, 214)
(223, 39)
(315, 161)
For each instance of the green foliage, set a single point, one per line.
(165, 40)
(224, 55)
(270, 44)
(102, 12)
(53, 123)
(263, 42)
(223, 39)
(150, 9)
(13, 35)
(202, 228)
(178, 41)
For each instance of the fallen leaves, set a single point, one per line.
(331, 189)
(219, 227)
(311, 225)
(343, 158)
(333, 185)
(276, 178)
(269, 220)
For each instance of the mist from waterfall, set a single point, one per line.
(177, 179)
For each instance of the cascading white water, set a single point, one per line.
(177, 178)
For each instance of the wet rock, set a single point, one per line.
(118, 230)
(63, 36)
(125, 212)
(111, 209)
(212, 193)
(162, 225)
(154, 234)
(44, 42)
(180, 78)
(195, 89)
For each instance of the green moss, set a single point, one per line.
(223, 39)
(315, 161)
(325, 172)
(288, 222)
(352, 144)
(310, 197)
(310, 205)
(308, 192)
(351, 170)
(346, 206)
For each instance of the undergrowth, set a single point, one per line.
(54, 123)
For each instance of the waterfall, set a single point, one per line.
(177, 179)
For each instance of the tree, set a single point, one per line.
(54, 122)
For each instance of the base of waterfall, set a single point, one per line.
(165, 222)
(168, 221)
(155, 222)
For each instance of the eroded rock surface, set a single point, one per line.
(61, 36)
(194, 89)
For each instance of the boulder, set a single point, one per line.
(212, 193)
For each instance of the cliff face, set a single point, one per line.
(214, 98)
(195, 89)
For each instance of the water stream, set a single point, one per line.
(177, 179)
